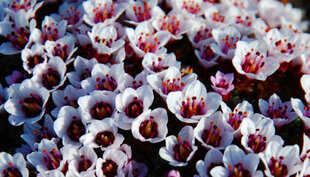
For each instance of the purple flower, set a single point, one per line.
(222, 83)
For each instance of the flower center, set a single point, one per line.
(191, 6)
(216, 16)
(137, 84)
(19, 36)
(86, 74)
(105, 138)
(50, 32)
(253, 63)
(18, 5)
(172, 85)
(108, 83)
(51, 78)
(276, 167)
(279, 112)
(76, 129)
(32, 106)
(84, 164)
(257, 142)
(109, 168)
(159, 67)
(245, 20)
(235, 118)
(148, 43)
(284, 46)
(72, 103)
(238, 171)
(171, 24)
(11, 171)
(192, 107)
(72, 15)
(106, 42)
(103, 12)
(61, 50)
(44, 133)
(182, 150)
(142, 13)
(101, 110)
(52, 159)
(207, 53)
(307, 111)
(228, 42)
(211, 136)
(202, 34)
(148, 128)
(33, 61)
(135, 108)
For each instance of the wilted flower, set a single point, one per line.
(133, 168)
(222, 83)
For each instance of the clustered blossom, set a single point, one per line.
(130, 87)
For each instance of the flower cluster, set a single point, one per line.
(119, 88)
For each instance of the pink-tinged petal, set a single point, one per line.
(219, 172)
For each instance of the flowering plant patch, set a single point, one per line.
(135, 88)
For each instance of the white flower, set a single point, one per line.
(97, 105)
(104, 78)
(151, 126)
(216, 15)
(106, 11)
(281, 113)
(144, 39)
(305, 153)
(63, 48)
(281, 161)
(70, 126)
(103, 134)
(234, 118)
(144, 10)
(283, 48)
(222, 83)
(111, 164)
(84, 163)
(104, 39)
(305, 169)
(3, 97)
(225, 41)
(154, 64)
(170, 81)
(130, 82)
(305, 84)
(214, 132)
(212, 159)
(256, 134)
(251, 60)
(17, 32)
(68, 96)
(13, 166)
(50, 75)
(50, 30)
(82, 70)
(34, 133)
(193, 103)
(243, 19)
(33, 56)
(236, 163)
(174, 23)
(132, 103)
(206, 54)
(29, 6)
(303, 111)
(49, 157)
(190, 8)
(26, 103)
(179, 150)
